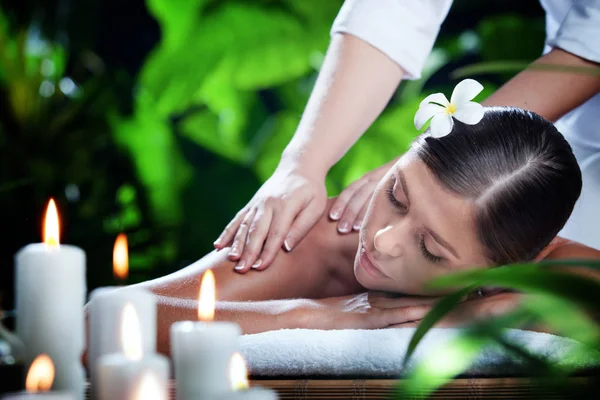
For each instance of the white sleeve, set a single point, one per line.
(579, 32)
(404, 30)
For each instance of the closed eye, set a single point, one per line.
(432, 258)
(390, 195)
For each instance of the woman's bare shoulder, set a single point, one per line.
(319, 266)
(561, 248)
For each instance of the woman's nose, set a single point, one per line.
(386, 242)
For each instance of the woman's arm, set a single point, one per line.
(354, 85)
(549, 94)
(281, 297)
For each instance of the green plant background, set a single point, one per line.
(162, 118)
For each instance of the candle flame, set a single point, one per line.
(149, 388)
(207, 297)
(40, 375)
(121, 258)
(238, 373)
(51, 225)
(131, 333)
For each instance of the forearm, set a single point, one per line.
(252, 316)
(354, 85)
(550, 94)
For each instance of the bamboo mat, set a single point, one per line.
(467, 388)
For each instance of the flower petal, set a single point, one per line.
(425, 113)
(441, 125)
(469, 113)
(465, 91)
(438, 98)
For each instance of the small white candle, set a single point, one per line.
(39, 380)
(50, 293)
(120, 374)
(104, 316)
(238, 376)
(202, 350)
(150, 388)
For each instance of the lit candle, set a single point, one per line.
(238, 376)
(202, 350)
(121, 259)
(38, 382)
(120, 374)
(50, 293)
(150, 388)
(104, 314)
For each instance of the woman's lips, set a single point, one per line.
(368, 265)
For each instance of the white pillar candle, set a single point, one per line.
(120, 374)
(50, 294)
(238, 377)
(104, 315)
(202, 350)
(119, 377)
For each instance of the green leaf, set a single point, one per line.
(499, 33)
(441, 364)
(263, 46)
(564, 317)
(531, 278)
(439, 311)
(278, 130)
(158, 161)
(176, 19)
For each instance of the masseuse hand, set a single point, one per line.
(370, 310)
(282, 212)
(352, 203)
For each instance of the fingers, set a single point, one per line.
(387, 301)
(354, 207)
(304, 222)
(278, 230)
(257, 232)
(230, 230)
(361, 217)
(338, 207)
(237, 248)
(394, 316)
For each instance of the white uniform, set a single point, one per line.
(406, 30)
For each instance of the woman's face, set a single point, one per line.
(415, 230)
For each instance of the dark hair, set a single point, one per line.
(520, 173)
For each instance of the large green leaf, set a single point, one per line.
(442, 364)
(176, 18)
(453, 357)
(158, 160)
(439, 311)
(279, 129)
(263, 46)
(532, 278)
(564, 317)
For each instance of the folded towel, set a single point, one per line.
(380, 353)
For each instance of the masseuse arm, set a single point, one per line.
(354, 85)
(549, 94)
(374, 45)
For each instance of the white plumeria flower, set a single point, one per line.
(460, 106)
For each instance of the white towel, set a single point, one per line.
(380, 353)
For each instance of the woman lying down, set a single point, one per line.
(491, 192)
